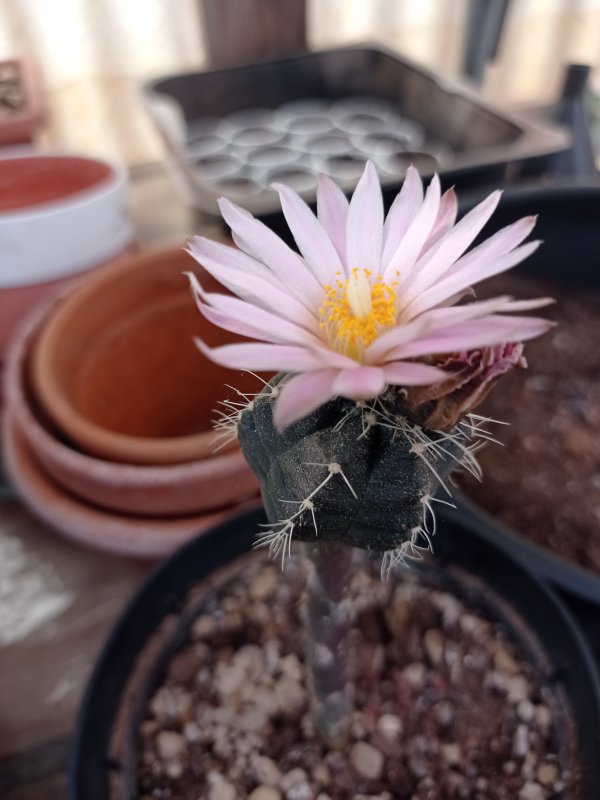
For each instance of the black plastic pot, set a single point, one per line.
(569, 225)
(511, 593)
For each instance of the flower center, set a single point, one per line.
(355, 312)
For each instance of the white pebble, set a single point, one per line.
(170, 745)
(532, 791)
(366, 760)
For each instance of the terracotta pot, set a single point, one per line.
(167, 491)
(117, 371)
(122, 534)
(59, 216)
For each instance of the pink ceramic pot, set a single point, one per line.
(170, 490)
(116, 369)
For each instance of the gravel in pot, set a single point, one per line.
(201, 691)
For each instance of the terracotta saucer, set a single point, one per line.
(124, 535)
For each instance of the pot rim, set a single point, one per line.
(91, 436)
(115, 180)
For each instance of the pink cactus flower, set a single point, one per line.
(367, 301)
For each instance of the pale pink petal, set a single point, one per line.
(310, 236)
(214, 255)
(364, 234)
(470, 275)
(237, 316)
(265, 245)
(403, 260)
(394, 337)
(401, 214)
(256, 289)
(332, 211)
(432, 266)
(445, 219)
(409, 373)
(445, 316)
(301, 395)
(271, 357)
(360, 383)
(502, 242)
(472, 334)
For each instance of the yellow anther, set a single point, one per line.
(357, 312)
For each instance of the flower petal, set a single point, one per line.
(433, 265)
(332, 211)
(445, 219)
(216, 255)
(409, 373)
(301, 395)
(360, 383)
(265, 245)
(364, 233)
(401, 214)
(472, 334)
(264, 357)
(314, 244)
(409, 249)
(253, 287)
(470, 275)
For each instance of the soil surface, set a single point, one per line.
(445, 706)
(545, 480)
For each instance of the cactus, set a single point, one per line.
(348, 475)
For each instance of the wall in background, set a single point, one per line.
(94, 53)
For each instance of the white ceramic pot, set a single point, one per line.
(59, 215)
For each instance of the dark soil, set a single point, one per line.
(545, 480)
(445, 706)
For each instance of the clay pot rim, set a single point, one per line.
(115, 179)
(102, 441)
(101, 529)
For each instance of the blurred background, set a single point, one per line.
(93, 54)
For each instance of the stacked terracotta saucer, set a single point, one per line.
(107, 429)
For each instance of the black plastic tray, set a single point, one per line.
(486, 140)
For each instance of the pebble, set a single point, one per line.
(265, 793)
(547, 774)
(291, 696)
(390, 726)
(433, 642)
(543, 717)
(521, 741)
(170, 745)
(300, 791)
(264, 584)
(266, 771)
(415, 675)
(222, 790)
(452, 753)
(170, 705)
(366, 760)
(518, 689)
(503, 660)
(526, 711)
(444, 713)
(203, 627)
(292, 777)
(532, 791)
(321, 774)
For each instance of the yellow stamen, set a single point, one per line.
(355, 312)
